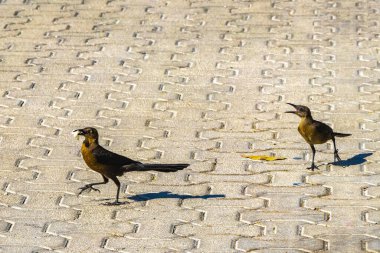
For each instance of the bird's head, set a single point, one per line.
(301, 110)
(90, 133)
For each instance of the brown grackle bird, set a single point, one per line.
(111, 165)
(315, 132)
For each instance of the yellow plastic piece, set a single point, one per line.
(263, 157)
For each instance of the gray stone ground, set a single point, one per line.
(198, 82)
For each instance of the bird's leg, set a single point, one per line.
(312, 167)
(117, 182)
(336, 156)
(90, 186)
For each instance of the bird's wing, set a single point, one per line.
(322, 127)
(320, 133)
(105, 156)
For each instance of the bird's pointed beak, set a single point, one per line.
(295, 106)
(78, 132)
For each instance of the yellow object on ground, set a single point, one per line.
(263, 157)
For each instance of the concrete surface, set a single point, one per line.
(202, 82)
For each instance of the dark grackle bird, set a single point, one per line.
(111, 165)
(315, 132)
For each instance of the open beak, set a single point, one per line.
(295, 106)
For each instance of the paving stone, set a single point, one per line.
(192, 82)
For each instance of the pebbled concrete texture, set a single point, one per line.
(201, 82)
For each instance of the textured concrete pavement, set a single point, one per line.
(201, 82)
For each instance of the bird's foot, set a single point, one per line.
(336, 156)
(313, 167)
(87, 187)
(115, 203)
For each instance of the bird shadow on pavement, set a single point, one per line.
(170, 195)
(355, 160)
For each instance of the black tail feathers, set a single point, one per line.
(164, 167)
(341, 135)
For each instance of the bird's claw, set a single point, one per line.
(336, 156)
(312, 167)
(87, 187)
(115, 203)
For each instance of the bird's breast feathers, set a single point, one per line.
(90, 159)
(303, 133)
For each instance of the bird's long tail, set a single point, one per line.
(164, 167)
(341, 135)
